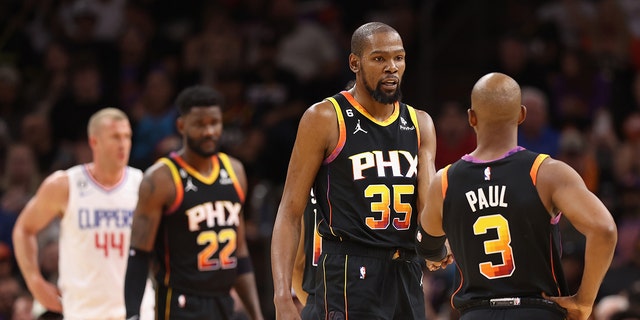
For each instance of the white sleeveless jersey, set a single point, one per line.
(94, 242)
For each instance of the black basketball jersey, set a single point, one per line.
(504, 241)
(312, 243)
(197, 237)
(366, 188)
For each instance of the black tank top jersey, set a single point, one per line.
(366, 188)
(197, 236)
(505, 242)
(312, 243)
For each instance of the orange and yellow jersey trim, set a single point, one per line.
(342, 127)
(209, 179)
(536, 165)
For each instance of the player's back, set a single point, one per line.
(197, 237)
(502, 236)
(94, 242)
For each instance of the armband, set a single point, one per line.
(135, 280)
(244, 265)
(430, 247)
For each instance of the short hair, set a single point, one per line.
(110, 113)
(359, 37)
(197, 96)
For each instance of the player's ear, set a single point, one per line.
(523, 114)
(180, 125)
(92, 141)
(473, 120)
(354, 63)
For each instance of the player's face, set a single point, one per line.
(202, 128)
(114, 141)
(382, 66)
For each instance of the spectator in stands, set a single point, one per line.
(536, 132)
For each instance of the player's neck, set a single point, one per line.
(491, 147)
(199, 163)
(379, 111)
(105, 175)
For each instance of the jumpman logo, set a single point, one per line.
(190, 186)
(359, 128)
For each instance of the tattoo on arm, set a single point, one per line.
(146, 216)
(141, 231)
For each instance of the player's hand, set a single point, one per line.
(575, 310)
(286, 310)
(442, 264)
(47, 294)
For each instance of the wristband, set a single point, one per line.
(430, 247)
(135, 280)
(244, 265)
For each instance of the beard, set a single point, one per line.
(195, 146)
(379, 95)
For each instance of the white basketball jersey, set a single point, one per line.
(94, 242)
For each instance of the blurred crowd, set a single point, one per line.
(578, 62)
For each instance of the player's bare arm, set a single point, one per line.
(242, 249)
(156, 193)
(426, 173)
(563, 190)
(298, 268)
(317, 136)
(431, 220)
(49, 202)
(245, 283)
(431, 242)
(426, 155)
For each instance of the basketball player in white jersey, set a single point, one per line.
(95, 202)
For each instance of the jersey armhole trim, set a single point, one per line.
(177, 182)
(535, 166)
(236, 184)
(414, 118)
(445, 180)
(342, 138)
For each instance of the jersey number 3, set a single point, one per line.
(501, 245)
(212, 240)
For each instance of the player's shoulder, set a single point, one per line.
(54, 189)
(554, 165)
(321, 110)
(231, 158)
(57, 179)
(423, 116)
(235, 162)
(556, 172)
(134, 172)
(161, 170)
(319, 119)
(426, 125)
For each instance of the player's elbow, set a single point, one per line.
(605, 232)
(19, 233)
(610, 231)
